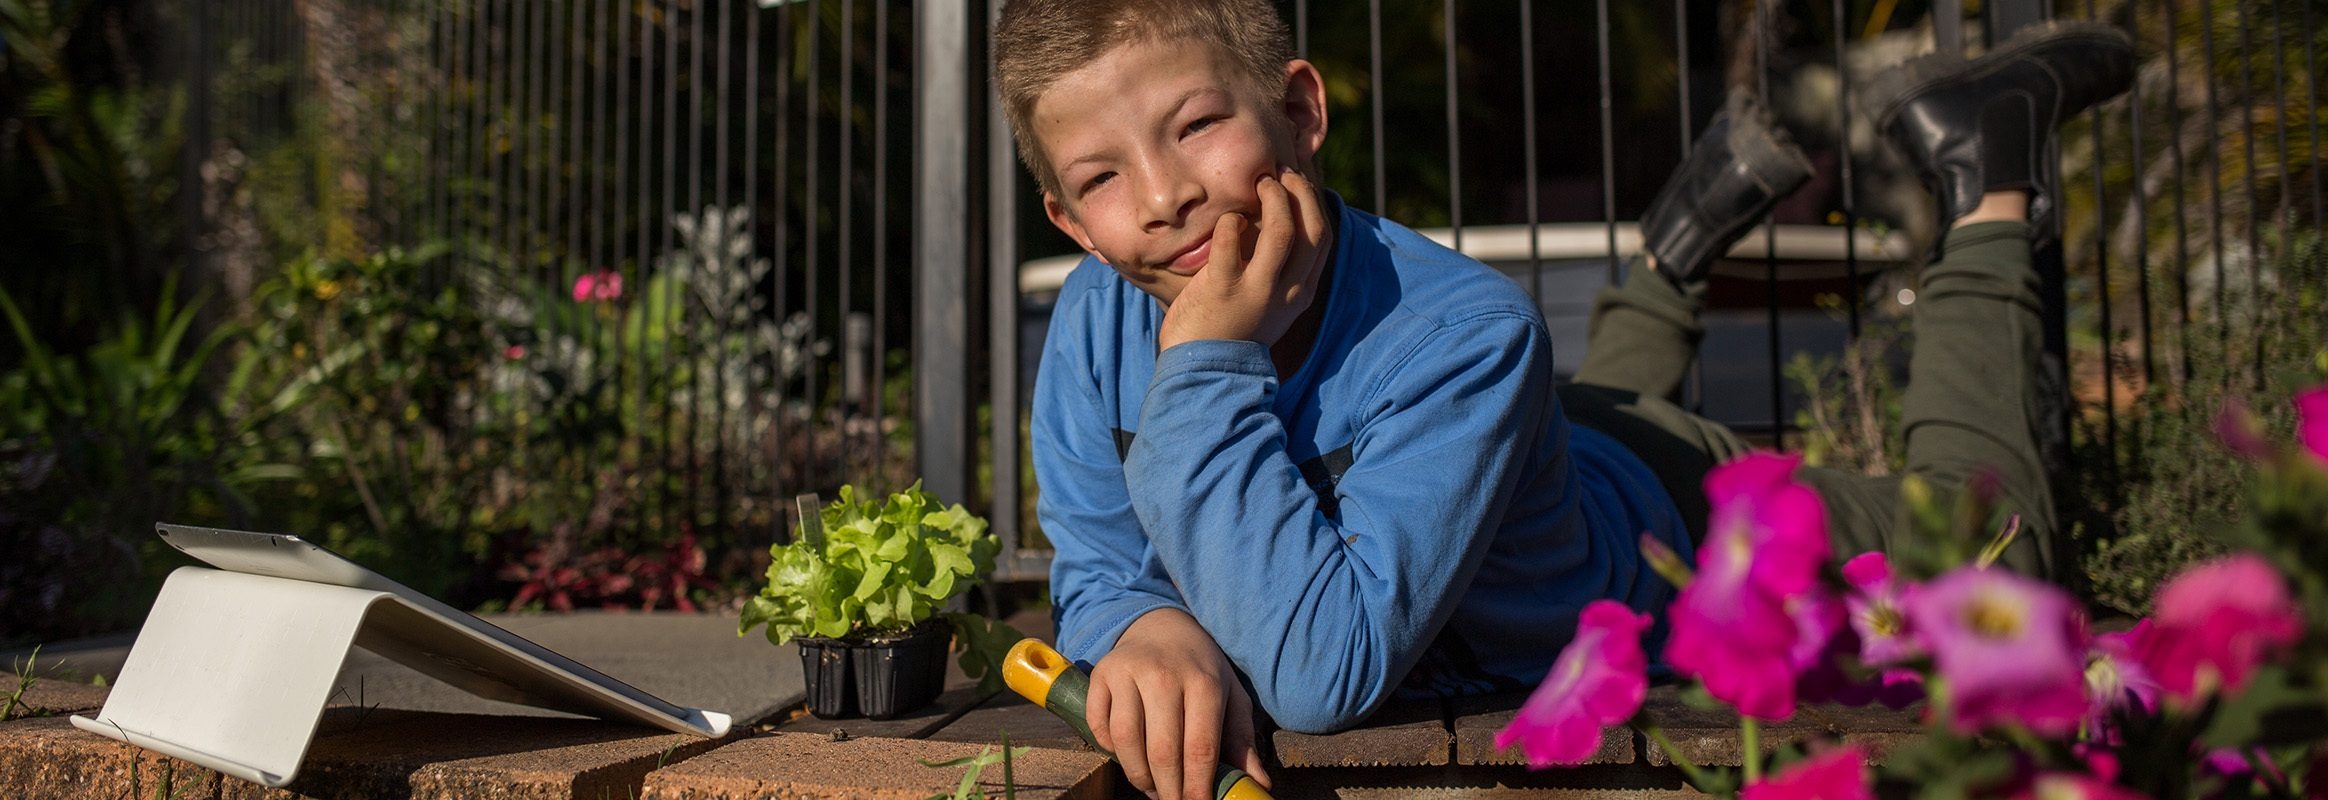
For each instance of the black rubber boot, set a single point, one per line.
(1982, 125)
(1739, 167)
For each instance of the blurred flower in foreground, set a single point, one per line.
(2116, 681)
(598, 287)
(1599, 680)
(2073, 786)
(1731, 626)
(1838, 774)
(1884, 637)
(2215, 623)
(2312, 422)
(2007, 647)
(2239, 430)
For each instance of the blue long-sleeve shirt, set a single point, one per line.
(1408, 509)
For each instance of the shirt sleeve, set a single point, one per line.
(1104, 574)
(1327, 615)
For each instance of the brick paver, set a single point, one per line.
(813, 767)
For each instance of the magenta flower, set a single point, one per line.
(1598, 680)
(1838, 774)
(598, 287)
(1731, 626)
(2241, 432)
(2215, 623)
(2008, 647)
(2115, 681)
(2312, 421)
(1884, 637)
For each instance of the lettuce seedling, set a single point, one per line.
(880, 568)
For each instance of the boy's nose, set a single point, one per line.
(1168, 200)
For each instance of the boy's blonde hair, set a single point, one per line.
(1038, 41)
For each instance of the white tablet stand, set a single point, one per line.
(232, 671)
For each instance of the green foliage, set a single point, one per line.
(95, 447)
(875, 568)
(2169, 493)
(973, 766)
(1851, 401)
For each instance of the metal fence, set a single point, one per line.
(744, 168)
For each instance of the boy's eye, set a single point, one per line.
(1202, 123)
(1097, 180)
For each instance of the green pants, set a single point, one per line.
(1973, 401)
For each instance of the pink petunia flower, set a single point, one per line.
(1599, 680)
(2115, 681)
(2216, 622)
(2239, 430)
(2009, 647)
(1884, 637)
(1731, 627)
(2312, 421)
(598, 287)
(1838, 774)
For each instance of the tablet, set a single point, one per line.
(444, 642)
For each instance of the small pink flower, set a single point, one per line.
(2215, 623)
(598, 287)
(2009, 648)
(2075, 786)
(513, 352)
(2241, 432)
(1731, 625)
(1599, 680)
(2116, 681)
(1838, 774)
(1884, 637)
(2312, 421)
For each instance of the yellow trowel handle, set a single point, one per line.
(1039, 674)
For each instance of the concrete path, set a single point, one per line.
(690, 659)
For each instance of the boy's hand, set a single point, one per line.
(1167, 704)
(1255, 300)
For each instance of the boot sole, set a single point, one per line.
(1891, 90)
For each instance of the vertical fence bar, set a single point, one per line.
(1374, 85)
(1301, 28)
(2182, 244)
(1948, 26)
(2312, 119)
(2215, 189)
(812, 212)
(2141, 210)
(708, 231)
(1002, 310)
(2103, 296)
(673, 270)
(1608, 135)
(752, 406)
(721, 502)
(1851, 296)
(1765, 35)
(1454, 131)
(881, 242)
(642, 230)
(2285, 212)
(845, 132)
(941, 218)
(197, 140)
(782, 245)
(1528, 148)
(609, 210)
(2254, 192)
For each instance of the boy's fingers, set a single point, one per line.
(1163, 713)
(1131, 748)
(1238, 741)
(1313, 216)
(1227, 259)
(1095, 709)
(1276, 239)
(1200, 751)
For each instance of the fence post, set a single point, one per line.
(194, 149)
(941, 247)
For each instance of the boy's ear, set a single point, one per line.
(1305, 106)
(1065, 221)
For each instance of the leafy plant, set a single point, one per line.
(875, 568)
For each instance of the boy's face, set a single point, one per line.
(1154, 141)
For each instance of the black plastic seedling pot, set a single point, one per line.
(881, 678)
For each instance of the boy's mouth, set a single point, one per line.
(1190, 261)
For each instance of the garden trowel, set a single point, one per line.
(1043, 676)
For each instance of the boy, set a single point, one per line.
(1276, 432)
